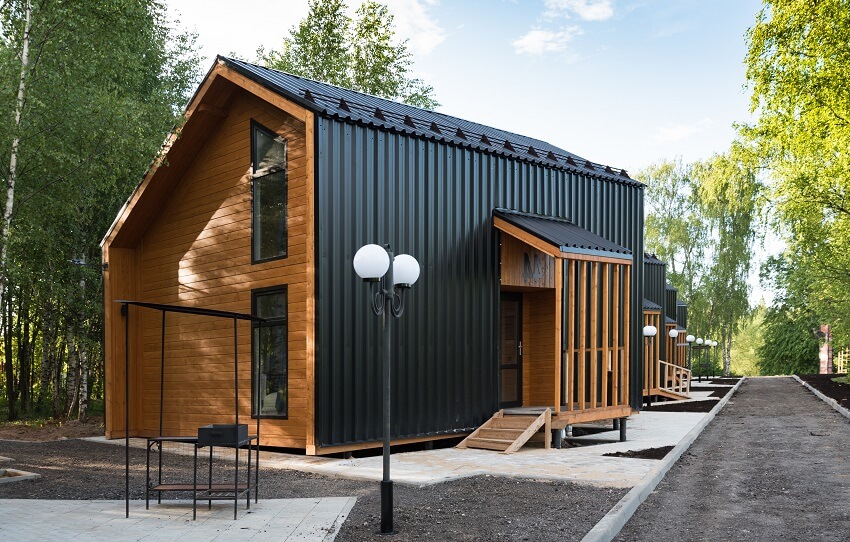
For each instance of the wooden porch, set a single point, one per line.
(575, 322)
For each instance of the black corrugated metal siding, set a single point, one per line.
(682, 314)
(671, 302)
(654, 284)
(434, 201)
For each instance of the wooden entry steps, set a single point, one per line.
(508, 433)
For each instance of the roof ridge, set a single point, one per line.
(357, 106)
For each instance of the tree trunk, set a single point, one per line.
(24, 361)
(13, 160)
(84, 386)
(47, 357)
(71, 380)
(56, 369)
(7, 349)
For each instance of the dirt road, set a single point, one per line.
(773, 465)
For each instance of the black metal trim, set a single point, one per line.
(255, 385)
(257, 127)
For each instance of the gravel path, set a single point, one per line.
(771, 466)
(478, 508)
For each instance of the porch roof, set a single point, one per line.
(650, 305)
(563, 235)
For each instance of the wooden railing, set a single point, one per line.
(674, 379)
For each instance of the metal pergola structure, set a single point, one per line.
(164, 308)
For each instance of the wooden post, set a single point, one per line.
(571, 334)
(615, 374)
(627, 330)
(606, 351)
(582, 330)
(594, 334)
(559, 296)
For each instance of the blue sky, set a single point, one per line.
(622, 82)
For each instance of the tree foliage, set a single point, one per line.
(360, 54)
(798, 65)
(105, 83)
(703, 220)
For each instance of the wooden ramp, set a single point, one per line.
(507, 433)
(670, 394)
(675, 381)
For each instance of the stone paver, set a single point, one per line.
(270, 519)
(586, 464)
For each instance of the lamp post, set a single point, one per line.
(714, 358)
(389, 282)
(648, 333)
(690, 340)
(700, 362)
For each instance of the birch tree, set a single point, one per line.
(798, 65)
(101, 84)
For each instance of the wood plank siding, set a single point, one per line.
(195, 250)
(538, 340)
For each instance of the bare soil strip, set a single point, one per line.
(771, 466)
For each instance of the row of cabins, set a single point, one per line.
(533, 287)
(666, 368)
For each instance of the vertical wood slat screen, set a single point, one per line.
(672, 351)
(596, 335)
(651, 354)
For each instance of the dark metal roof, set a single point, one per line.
(669, 320)
(652, 259)
(680, 303)
(650, 306)
(670, 287)
(563, 234)
(346, 104)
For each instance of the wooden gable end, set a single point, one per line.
(184, 237)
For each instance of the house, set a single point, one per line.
(531, 282)
(665, 370)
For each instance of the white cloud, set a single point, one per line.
(414, 22)
(589, 10)
(672, 133)
(541, 42)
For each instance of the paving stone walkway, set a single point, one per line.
(94, 521)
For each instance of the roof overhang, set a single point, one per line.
(559, 238)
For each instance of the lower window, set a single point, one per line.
(269, 353)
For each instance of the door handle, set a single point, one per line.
(519, 348)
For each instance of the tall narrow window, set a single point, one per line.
(268, 212)
(269, 353)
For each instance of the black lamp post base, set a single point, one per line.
(387, 507)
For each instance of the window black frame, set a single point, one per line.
(259, 174)
(255, 327)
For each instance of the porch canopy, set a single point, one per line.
(591, 281)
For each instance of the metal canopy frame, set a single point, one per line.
(164, 308)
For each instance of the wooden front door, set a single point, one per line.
(510, 351)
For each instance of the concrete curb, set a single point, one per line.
(611, 524)
(828, 400)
